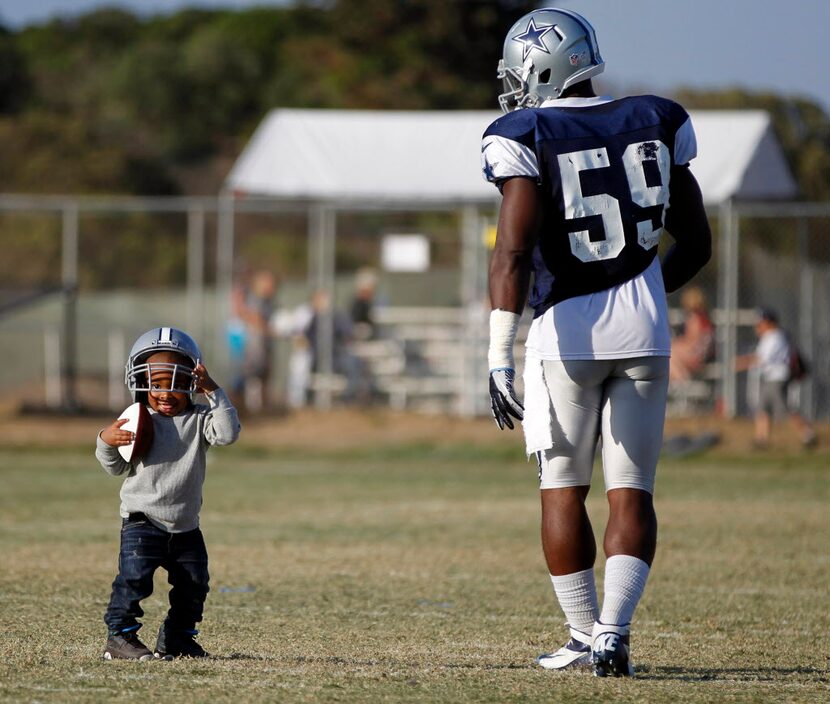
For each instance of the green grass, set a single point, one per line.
(415, 574)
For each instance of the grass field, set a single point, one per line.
(414, 573)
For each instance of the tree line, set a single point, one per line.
(111, 102)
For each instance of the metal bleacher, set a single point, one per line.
(415, 358)
(420, 358)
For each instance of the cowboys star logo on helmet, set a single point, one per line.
(566, 52)
(531, 38)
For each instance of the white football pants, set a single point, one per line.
(621, 401)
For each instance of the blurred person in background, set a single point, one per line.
(292, 324)
(588, 183)
(252, 307)
(235, 332)
(694, 345)
(363, 304)
(343, 360)
(775, 360)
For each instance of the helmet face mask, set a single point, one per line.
(544, 53)
(141, 377)
(163, 376)
(515, 89)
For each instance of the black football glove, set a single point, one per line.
(503, 399)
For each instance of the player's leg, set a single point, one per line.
(187, 573)
(632, 524)
(632, 431)
(570, 551)
(575, 390)
(567, 536)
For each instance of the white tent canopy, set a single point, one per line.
(433, 157)
(328, 160)
(739, 157)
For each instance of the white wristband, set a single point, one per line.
(503, 325)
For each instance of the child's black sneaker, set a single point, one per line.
(126, 646)
(175, 643)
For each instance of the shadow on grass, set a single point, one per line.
(645, 672)
(731, 674)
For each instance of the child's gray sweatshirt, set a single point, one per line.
(166, 485)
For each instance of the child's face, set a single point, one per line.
(169, 396)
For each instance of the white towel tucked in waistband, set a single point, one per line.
(538, 410)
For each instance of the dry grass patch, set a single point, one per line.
(414, 574)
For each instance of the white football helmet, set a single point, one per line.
(137, 371)
(544, 53)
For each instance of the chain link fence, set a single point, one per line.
(784, 265)
(83, 277)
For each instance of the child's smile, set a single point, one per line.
(170, 385)
(167, 403)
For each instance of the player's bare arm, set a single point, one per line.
(510, 264)
(115, 437)
(509, 279)
(686, 222)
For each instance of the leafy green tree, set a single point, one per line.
(149, 100)
(151, 83)
(224, 75)
(15, 82)
(801, 125)
(411, 54)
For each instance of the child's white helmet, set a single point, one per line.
(137, 372)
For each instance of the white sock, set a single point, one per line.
(625, 580)
(577, 594)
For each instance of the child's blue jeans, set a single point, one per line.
(145, 548)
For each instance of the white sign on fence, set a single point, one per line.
(404, 253)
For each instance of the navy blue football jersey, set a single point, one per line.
(604, 168)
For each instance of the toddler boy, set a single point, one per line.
(162, 494)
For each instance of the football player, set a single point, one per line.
(588, 185)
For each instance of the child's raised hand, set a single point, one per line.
(114, 436)
(204, 384)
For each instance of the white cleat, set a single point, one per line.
(575, 653)
(611, 649)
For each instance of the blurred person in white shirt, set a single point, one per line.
(773, 360)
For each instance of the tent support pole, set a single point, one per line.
(224, 271)
(728, 304)
(806, 322)
(472, 274)
(69, 276)
(322, 225)
(195, 270)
